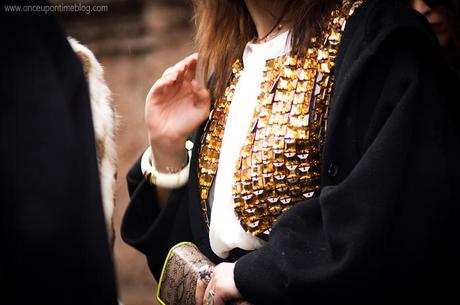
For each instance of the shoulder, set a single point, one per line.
(388, 57)
(391, 16)
(376, 21)
(386, 30)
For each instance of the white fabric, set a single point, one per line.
(225, 231)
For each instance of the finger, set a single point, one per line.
(191, 58)
(209, 298)
(212, 296)
(201, 93)
(190, 71)
(180, 75)
(168, 71)
(218, 300)
(186, 61)
(192, 62)
(164, 83)
(207, 292)
(181, 64)
(176, 68)
(199, 292)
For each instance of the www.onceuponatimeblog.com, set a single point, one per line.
(56, 8)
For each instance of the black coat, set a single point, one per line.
(53, 242)
(383, 228)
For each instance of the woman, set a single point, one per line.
(325, 172)
(443, 17)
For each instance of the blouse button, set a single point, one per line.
(333, 169)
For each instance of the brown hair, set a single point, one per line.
(225, 26)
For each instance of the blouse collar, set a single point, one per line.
(276, 47)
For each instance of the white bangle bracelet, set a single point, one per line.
(165, 180)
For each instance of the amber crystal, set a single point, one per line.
(279, 163)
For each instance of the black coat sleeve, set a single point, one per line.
(386, 231)
(54, 246)
(150, 229)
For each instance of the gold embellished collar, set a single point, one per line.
(279, 163)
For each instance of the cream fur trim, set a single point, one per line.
(105, 122)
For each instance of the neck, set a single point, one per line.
(265, 14)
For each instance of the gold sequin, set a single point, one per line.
(279, 163)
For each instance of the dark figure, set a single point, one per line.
(54, 247)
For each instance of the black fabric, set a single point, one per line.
(53, 241)
(383, 227)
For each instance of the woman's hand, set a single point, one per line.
(175, 106)
(220, 289)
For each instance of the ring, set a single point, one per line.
(205, 273)
(210, 298)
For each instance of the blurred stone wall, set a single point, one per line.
(135, 40)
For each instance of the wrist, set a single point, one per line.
(167, 180)
(169, 155)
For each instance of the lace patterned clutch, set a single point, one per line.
(179, 276)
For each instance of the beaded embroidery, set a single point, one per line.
(279, 163)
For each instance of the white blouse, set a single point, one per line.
(225, 231)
